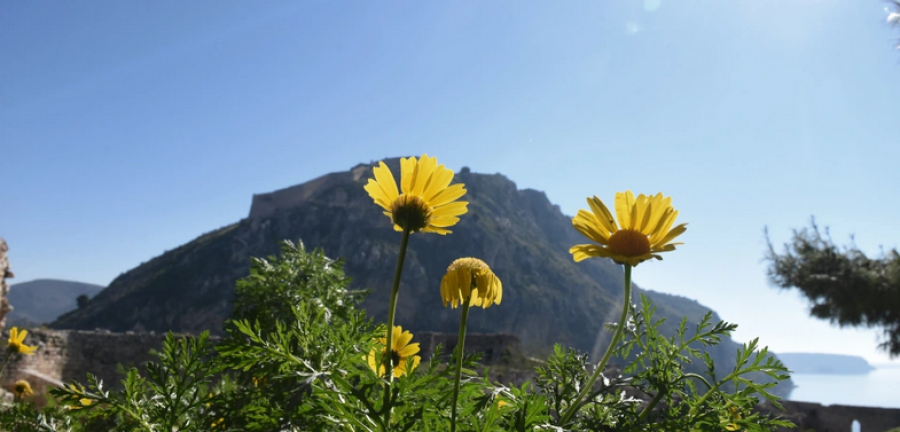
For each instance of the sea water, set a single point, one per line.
(878, 388)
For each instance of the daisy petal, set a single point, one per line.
(448, 195)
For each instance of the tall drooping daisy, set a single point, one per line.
(471, 278)
(425, 202)
(22, 389)
(644, 229)
(17, 342)
(470, 282)
(401, 350)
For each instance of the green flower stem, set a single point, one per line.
(5, 361)
(392, 312)
(712, 389)
(646, 411)
(626, 304)
(460, 345)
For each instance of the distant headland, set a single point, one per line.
(832, 364)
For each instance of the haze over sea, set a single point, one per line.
(878, 388)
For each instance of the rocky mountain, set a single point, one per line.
(43, 300)
(547, 297)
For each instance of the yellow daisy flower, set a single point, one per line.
(471, 277)
(644, 229)
(22, 389)
(400, 352)
(17, 342)
(427, 202)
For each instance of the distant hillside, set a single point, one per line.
(43, 300)
(832, 364)
(525, 238)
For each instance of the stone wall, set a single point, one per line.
(66, 355)
(267, 204)
(502, 352)
(835, 418)
(5, 273)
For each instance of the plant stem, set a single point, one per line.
(646, 411)
(626, 304)
(5, 361)
(709, 392)
(392, 312)
(460, 345)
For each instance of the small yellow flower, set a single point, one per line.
(400, 352)
(471, 277)
(732, 416)
(501, 403)
(17, 342)
(84, 402)
(644, 229)
(428, 202)
(218, 424)
(22, 389)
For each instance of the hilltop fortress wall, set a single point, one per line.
(267, 204)
(66, 355)
(835, 418)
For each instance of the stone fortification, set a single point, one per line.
(66, 355)
(501, 352)
(267, 204)
(5, 273)
(835, 418)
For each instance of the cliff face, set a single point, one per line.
(547, 297)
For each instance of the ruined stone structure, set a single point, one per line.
(267, 204)
(835, 418)
(5, 273)
(66, 355)
(502, 352)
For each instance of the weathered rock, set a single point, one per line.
(5, 273)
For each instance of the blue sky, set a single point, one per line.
(129, 128)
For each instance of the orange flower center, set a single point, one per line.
(411, 212)
(629, 243)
